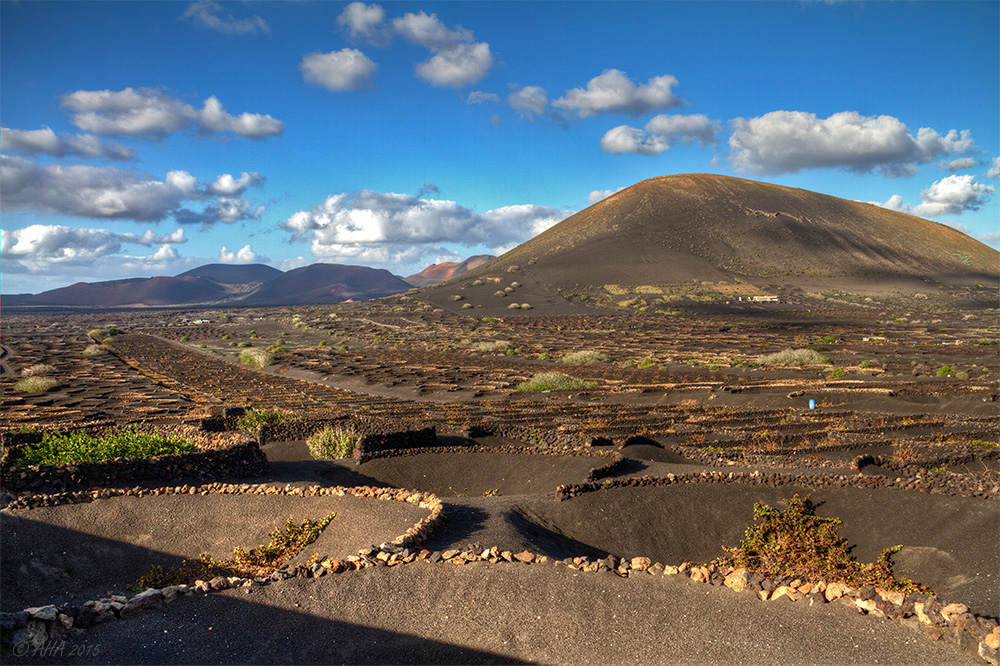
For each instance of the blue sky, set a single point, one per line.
(147, 138)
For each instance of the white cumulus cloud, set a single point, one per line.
(613, 92)
(994, 171)
(600, 195)
(480, 97)
(389, 228)
(346, 69)
(952, 195)
(108, 193)
(458, 59)
(46, 248)
(205, 14)
(790, 141)
(659, 134)
(364, 21)
(529, 101)
(245, 255)
(153, 114)
(33, 142)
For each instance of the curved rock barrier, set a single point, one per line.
(941, 483)
(37, 625)
(240, 460)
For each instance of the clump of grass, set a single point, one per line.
(457, 297)
(837, 373)
(252, 419)
(467, 306)
(330, 443)
(645, 363)
(36, 384)
(492, 346)
(40, 370)
(525, 306)
(260, 562)
(96, 333)
(514, 306)
(796, 543)
(478, 283)
(257, 357)
(94, 350)
(584, 358)
(554, 381)
(57, 448)
(868, 364)
(500, 294)
(798, 357)
(944, 371)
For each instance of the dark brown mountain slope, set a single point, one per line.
(135, 292)
(701, 227)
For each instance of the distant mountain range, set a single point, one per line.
(663, 232)
(227, 284)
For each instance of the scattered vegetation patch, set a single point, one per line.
(645, 362)
(330, 443)
(257, 357)
(492, 346)
(797, 357)
(40, 370)
(554, 381)
(94, 350)
(260, 562)
(796, 543)
(584, 358)
(944, 371)
(57, 448)
(252, 419)
(36, 384)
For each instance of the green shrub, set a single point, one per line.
(584, 358)
(867, 364)
(245, 344)
(514, 306)
(492, 346)
(490, 320)
(260, 562)
(466, 306)
(257, 357)
(827, 340)
(330, 443)
(944, 371)
(56, 448)
(795, 543)
(252, 419)
(457, 297)
(554, 381)
(38, 384)
(525, 306)
(40, 370)
(962, 376)
(96, 333)
(515, 284)
(185, 338)
(837, 373)
(544, 356)
(646, 362)
(500, 294)
(478, 283)
(94, 350)
(794, 357)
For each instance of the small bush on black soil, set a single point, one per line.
(796, 543)
(944, 371)
(554, 381)
(94, 350)
(584, 358)
(252, 419)
(40, 370)
(794, 357)
(330, 443)
(257, 357)
(260, 562)
(39, 384)
(57, 448)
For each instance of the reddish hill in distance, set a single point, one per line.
(234, 273)
(446, 270)
(708, 229)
